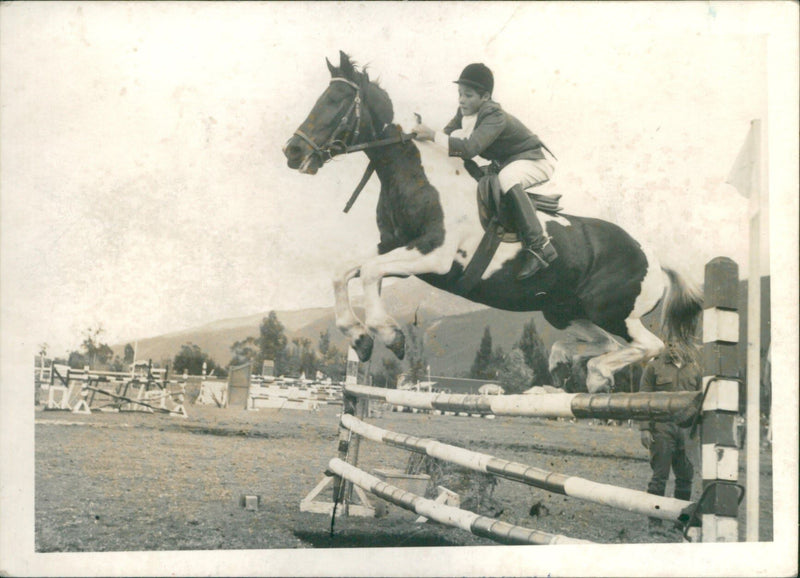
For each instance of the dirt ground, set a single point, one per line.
(134, 481)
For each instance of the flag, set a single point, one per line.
(744, 170)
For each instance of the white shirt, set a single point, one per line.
(467, 126)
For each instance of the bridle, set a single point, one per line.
(334, 146)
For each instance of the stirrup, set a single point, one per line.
(546, 253)
(535, 253)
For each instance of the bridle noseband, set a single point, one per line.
(334, 146)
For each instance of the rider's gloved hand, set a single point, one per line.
(422, 132)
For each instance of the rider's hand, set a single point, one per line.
(422, 132)
(647, 438)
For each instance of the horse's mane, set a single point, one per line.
(377, 99)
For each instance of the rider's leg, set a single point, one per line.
(538, 252)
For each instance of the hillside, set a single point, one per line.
(454, 327)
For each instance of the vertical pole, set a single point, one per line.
(720, 453)
(348, 442)
(753, 415)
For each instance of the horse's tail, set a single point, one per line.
(680, 310)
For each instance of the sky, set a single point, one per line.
(144, 188)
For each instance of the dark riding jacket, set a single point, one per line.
(497, 136)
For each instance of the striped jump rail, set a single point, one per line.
(479, 525)
(613, 496)
(659, 406)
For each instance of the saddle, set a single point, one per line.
(492, 205)
(496, 219)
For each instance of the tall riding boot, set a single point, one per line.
(538, 252)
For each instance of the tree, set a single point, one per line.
(484, 357)
(389, 373)
(533, 349)
(308, 358)
(334, 363)
(515, 376)
(324, 343)
(94, 351)
(77, 360)
(497, 363)
(415, 353)
(129, 353)
(191, 359)
(272, 341)
(245, 351)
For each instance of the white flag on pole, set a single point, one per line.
(744, 169)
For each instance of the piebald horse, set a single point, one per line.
(600, 286)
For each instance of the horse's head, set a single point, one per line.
(350, 111)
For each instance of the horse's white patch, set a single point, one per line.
(653, 285)
(505, 252)
(545, 218)
(458, 195)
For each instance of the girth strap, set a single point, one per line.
(481, 259)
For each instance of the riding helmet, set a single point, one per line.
(477, 76)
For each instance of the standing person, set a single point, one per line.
(675, 369)
(482, 127)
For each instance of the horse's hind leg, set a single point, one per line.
(643, 345)
(584, 339)
(346, 320)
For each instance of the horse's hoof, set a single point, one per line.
(398, 344)
(363, 347)
(596, 383)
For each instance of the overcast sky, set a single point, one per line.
(143, 183)
(143, 188)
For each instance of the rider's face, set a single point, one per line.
(469, 100)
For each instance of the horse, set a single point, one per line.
(598, 288)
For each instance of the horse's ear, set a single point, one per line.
(345, 65)
(330, 67)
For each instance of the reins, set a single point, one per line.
(335, 147)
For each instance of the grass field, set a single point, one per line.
(132, 481)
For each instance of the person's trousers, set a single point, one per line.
(669, 452)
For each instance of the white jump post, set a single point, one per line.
(349, 444)
(720, 453)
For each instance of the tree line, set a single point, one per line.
(521, 368)
(524, 366)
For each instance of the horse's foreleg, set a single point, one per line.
(346, 320)
(584, 339)
(399, 262)
(643, 345)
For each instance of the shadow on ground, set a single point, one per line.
(357, 539)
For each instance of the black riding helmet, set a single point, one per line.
(477, 76)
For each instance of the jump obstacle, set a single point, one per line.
(81, 391)
(713, 518)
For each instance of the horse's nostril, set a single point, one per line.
(292, 151)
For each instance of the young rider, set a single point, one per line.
(482, 127)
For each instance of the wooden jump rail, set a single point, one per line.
(614, 496)
(479, 525)
(658, 406)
